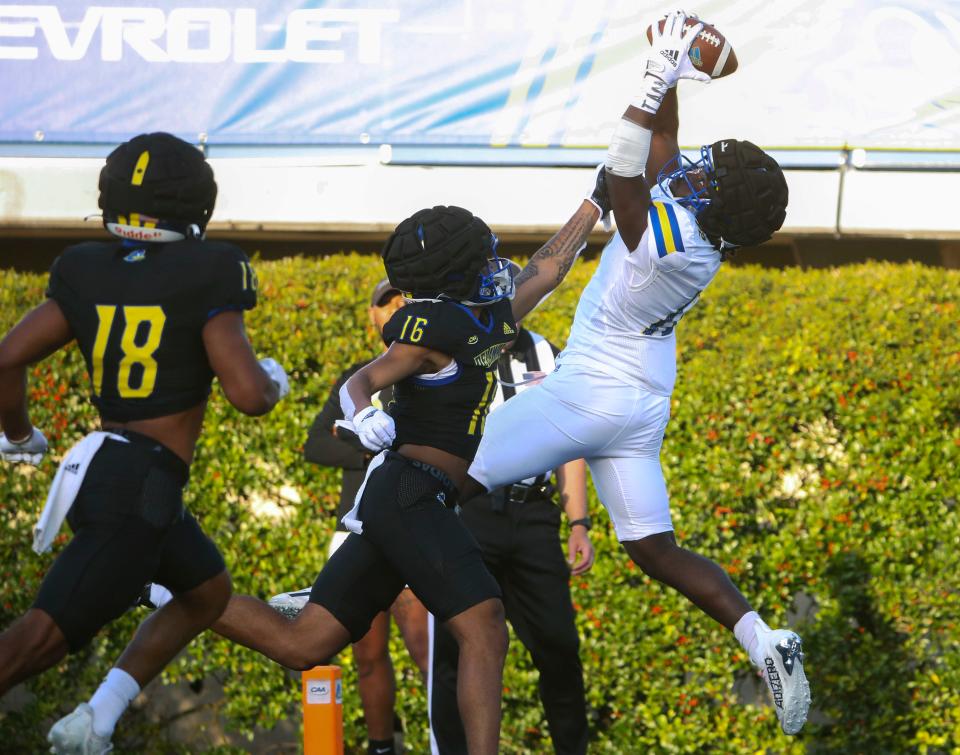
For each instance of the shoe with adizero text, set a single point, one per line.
(290, 604)
(783, 671)
(74, 735)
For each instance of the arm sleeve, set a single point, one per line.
(322, 446)
(422, 324)
(57, 288)
(233, 284)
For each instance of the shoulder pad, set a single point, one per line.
(423, 323)
(232, 282)
(69, 266)
(57, 287)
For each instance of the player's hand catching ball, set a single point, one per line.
(670, 56)
(375, 428)
(29, 450)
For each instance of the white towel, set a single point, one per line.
(65, 486)
(351, 520)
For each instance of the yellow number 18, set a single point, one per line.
(133, 352)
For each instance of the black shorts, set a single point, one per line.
(130, 528)
(411, 536)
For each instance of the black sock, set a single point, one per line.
(380, 747)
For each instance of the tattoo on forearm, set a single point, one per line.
(563, 248)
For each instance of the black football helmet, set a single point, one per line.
(744, 198)
(156, 188)
(447, 253)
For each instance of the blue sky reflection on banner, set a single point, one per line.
(480, 72)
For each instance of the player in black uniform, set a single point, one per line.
(156, 314)
(443, 349)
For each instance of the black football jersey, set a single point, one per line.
(138, 315)
(448, 410)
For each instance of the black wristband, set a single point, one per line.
(586, 523)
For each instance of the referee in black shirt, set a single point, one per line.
(518, 529)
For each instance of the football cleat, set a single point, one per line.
(74, 734)
(783, 671)
(290, 604)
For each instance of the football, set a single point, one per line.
(710, 51)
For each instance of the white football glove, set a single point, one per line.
(668, 60)
(29, 451)
(671, 48)
(277, 374)
(375, 428)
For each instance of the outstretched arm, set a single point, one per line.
(630, 195)
(646, 136)
(551, 262)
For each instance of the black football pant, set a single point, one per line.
(521, 547)
(130, 528)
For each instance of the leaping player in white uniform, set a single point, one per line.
(609, 400)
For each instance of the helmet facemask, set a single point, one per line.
(680, 167)
(495, 281)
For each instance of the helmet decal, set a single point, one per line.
(140, 169)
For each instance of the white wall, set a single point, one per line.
(295, 195)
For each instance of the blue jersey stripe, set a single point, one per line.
(657, 230)
(674, 228)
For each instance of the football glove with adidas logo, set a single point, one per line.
(668, 60)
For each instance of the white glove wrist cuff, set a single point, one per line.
(361, 415)
(654, 85)
(629, 149)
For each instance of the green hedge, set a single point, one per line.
(813, 450)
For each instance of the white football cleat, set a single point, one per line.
(783, 671)
(290, 604)
(74, 735)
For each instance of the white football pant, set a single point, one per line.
(618, 428)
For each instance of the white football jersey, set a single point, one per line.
(627, 313)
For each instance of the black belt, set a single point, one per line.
(521, 493)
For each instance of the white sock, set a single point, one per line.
(746, 633)
(160, 595)
(111, 700)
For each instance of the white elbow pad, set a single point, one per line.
(629, 149)
(346, 403)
